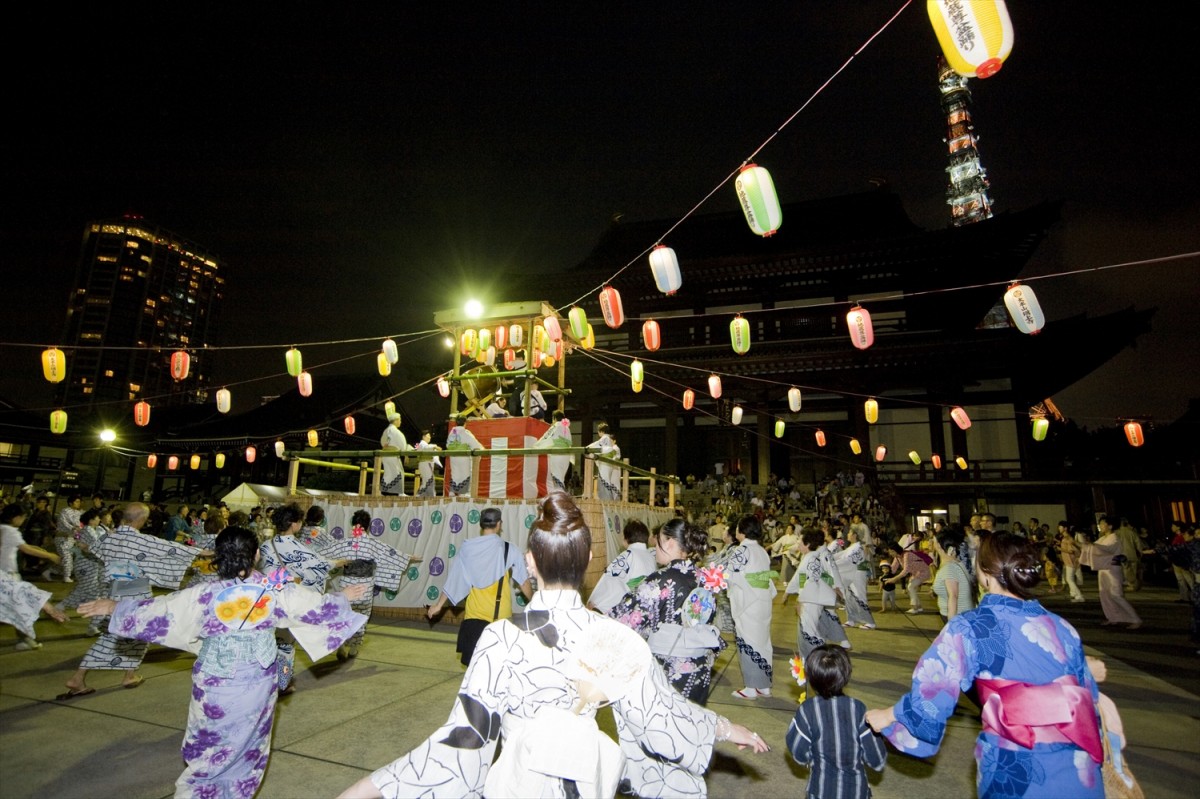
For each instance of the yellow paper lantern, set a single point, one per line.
(589, 340)
(58, 422)
(871, 410)
(314, 440)
(219, 460)
(976, 35)
(54, 365)
(295, 362)
(469, 342)
(195, 462)
(389, 408)
(224, 400)
(961, 461)
(636, 385)
(383, 364)
(855, 447)
(915, 457)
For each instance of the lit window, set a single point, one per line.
(134, 387)
(87, 389)
(108, 372)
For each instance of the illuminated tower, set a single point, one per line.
(141, 293)
(966, 192)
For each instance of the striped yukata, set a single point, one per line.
(371, 562)
(129, 555)
(831, 736)
(89, 569)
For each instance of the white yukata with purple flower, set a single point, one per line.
(230, 625)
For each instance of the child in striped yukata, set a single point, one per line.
(829, 732)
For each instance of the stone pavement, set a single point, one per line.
(348, 718)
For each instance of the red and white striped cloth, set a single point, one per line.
(505, 477)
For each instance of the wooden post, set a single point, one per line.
(653, 486)
(671, 494)
(362, 478)
(376, 475)
(589, 478)
(293, 476)
(625, 481)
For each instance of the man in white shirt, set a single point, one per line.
(716, 533)
(498, 409)
(536, 407)
(636, 561)
(392, 481)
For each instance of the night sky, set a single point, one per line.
(359, 168)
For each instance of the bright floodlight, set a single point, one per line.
(449, 341)
(473, 309)
(108, 436)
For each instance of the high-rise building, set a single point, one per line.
(141, 294)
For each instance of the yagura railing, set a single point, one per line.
(372, 469)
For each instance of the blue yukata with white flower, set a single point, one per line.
(1002, 639)
(230, 625)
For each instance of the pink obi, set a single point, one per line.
(1059, 712)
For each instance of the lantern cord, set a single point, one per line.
(414, 338)
(753, 153)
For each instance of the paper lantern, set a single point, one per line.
(443, 385)
(548, 359)
(224, 400)
(194, 462)
(560, 349)
(1023, 307)
(739, 335)
(880, 453)
(468, 342)
(383, 364)
(820, 437)
(510, 360)
(535, 359)
(651, 335)
(665, 268)
(151, 461)
(553, 328)
(735, 415)
(489, 357)
(862, 334)
(780, 428)
(714, 386)
(54, 365)
(1133, 434)
(173, 462)
(689, 399)
(279, 448)
(579, 322)
(500, 336)
(485, 338)
(960, 418)
(589, 340)
(636, 385)
(794, 399)
(219, 460)
(636, 372)
(936, 460)
(141, 414)
(976, 35)
(295, 362)
(251, 454)
(58, 422)
(349, 425)
(516, 336)
(304, 383)
(915, 457)
(871, 410)
(389, 408)
(855, 447)
(314, 439)
(389, 351)
(961, 461)
(1041, 426)
(611, 307)
(181, 362)
(541, 339)
(756, 195)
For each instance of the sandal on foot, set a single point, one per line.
(75, 692)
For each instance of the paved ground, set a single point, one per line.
(346, 719)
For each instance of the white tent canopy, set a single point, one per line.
(255, 495)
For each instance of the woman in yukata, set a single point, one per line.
(537, 680)
(230, 625)
(751, 594)
(671, 609)
(1040, 734)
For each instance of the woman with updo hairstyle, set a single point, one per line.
(230, 626)
(1040, 734)
(657, 609)
(751, 594)
(539, 677)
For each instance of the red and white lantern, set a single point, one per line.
(173, 463)
(181, 362)
(611, 307)
(960, 417)
(880, 453)
(714, 386)
(141, 414)
(304, 383)
(862, 334)
(651, 335)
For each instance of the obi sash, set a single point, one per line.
(1058, 712)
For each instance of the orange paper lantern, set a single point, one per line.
(820, 437)
(151, 461)
(689, 399)
(936, 460)
(349, 425)
(1133, 434)
(141, 414)
(251, 454)
(173, 462)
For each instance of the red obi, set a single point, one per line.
(1058, 712)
